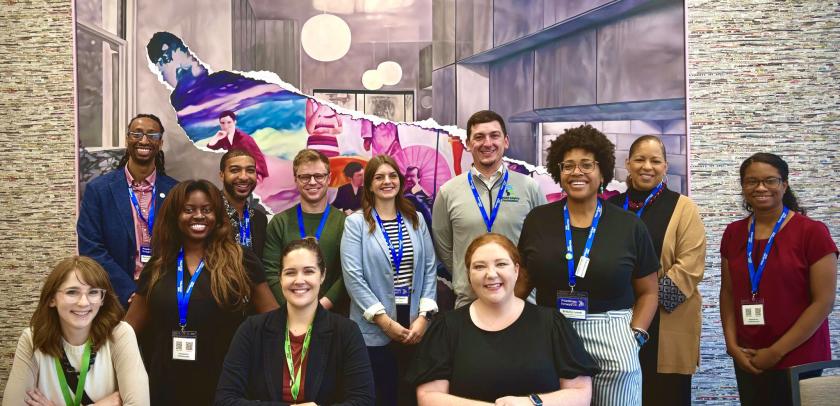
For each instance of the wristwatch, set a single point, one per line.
(641, 336)
(535, 399)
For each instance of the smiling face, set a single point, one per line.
(197, 218)
(312, 191)
(760, 197)
(386, 183)
(493, 273)
(75, 310)
(143, 151)
(300, 278)
(580, 186)
(647, 166)
(487, 144)
(227, 124)
(239, 177)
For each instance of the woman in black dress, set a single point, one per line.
(500, 348)
(193, 294)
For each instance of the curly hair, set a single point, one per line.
(45, 322)
(588, 139)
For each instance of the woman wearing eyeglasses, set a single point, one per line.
(389, 272)
(76, 350)
(196, 290)
(600, 272)
(778, 281)
(672, 354)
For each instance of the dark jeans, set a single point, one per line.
(389, 364)
(769, 388)
(661, 389)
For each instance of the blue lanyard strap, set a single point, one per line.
(494, 209)
(245, 227)
(570, 255)
(755, 275)
(184, 297)
(134, 202)
(647, 200)
(396, 255)
(320, 225)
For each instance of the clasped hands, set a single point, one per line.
(399, 333)
(757, 361)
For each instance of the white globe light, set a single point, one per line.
(371, 79)
(391, 72)
(325, 37)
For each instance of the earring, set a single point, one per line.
(601, 189)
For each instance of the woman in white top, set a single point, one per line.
(76, 350)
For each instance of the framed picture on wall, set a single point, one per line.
(387, 106)
(346, 100)
(394, 105)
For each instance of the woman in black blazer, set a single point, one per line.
(299, 353)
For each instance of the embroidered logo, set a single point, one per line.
(510, 196)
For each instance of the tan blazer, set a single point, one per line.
(683, 260)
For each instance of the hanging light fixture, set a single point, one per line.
(371, 79)
(325, 37)
(390, 71)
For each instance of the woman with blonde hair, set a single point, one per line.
(76, 350)
(193, 294)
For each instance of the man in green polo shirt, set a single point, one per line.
(311, 169)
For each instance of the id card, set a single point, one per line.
(184, 345)
(401, 295)
(583, 265)
(573, 305)
(752, 312)
(145, 254)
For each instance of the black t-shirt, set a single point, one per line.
(622, 250)
(529, 356)
(174, 382)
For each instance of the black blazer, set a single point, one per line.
(338, 369)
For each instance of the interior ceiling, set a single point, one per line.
(369, 20)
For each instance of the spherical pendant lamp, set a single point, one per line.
(325, 37)
(391, 72)
(371, 79)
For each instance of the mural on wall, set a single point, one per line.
(258, 112)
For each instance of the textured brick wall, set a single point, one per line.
(37, 149)
(763, 75)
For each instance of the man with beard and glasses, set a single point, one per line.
(487, 198)
(313, 217)
(118, 209)
(238, 171)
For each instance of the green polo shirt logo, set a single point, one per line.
(510, 196)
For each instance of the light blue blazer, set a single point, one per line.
(369, 278)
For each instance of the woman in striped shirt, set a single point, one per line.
(389, 270)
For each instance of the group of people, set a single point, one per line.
(320, 306)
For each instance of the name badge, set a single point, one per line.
(184, 345)
(752, 312)
(583, 265)
(145, 254)
(573, 305)
(401, 295)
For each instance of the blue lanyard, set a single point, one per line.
(134, 202)
(494, 209)
(396, 256)
(570, 256)
(245, 227)
(184, 297)
(320, 225)
(647, 200)
(755, 276)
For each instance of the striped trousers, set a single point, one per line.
(609, 340)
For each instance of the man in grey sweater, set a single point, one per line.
(486, 198)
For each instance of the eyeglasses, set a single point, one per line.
(305, 178)
(769, 183)
(94, 296)
(138, 135)
(585, 166)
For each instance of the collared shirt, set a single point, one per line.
(489, 182)
(143, 191)
(233, 216)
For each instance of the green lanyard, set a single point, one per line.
(294, 379)
(80, 388)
